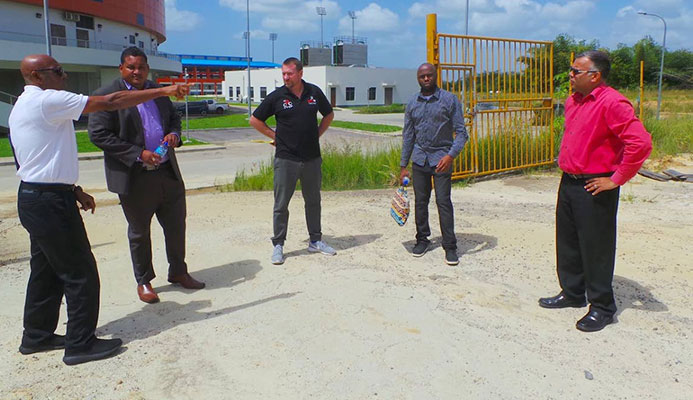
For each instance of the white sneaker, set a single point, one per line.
(278, 255)
(321, 247)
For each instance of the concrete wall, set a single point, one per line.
(402, 81)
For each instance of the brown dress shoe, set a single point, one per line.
(186, 281)
(147, 293)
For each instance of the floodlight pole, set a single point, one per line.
(321, 12)
(352, 15)
(466, 24)
(187, 122)
(273, 37)
(661, 65)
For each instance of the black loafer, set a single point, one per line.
(594, 321)
(561, 301)
(98, 350)
(55, 342)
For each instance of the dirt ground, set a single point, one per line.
(373, 322)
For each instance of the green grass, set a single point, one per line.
(84, 145)
(392, 108)
(362, 126)
(223, 121)
(670, 136)
(347, 168)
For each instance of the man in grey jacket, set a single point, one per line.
(430, 119)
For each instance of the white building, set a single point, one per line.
(87, 37)
(343, 86)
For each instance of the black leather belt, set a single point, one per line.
(46, 187)
(588, 176)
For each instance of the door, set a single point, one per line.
(333, 96)
(388, 96)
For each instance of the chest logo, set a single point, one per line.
(287, 104)
(312, 101)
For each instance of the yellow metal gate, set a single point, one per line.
(507, 89)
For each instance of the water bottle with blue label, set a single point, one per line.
(162, 149)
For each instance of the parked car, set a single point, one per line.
(194, 108)
(214, 107)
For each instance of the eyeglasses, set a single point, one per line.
(576, 71)
(56, 70)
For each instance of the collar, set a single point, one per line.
(28, 88)
(130, 87)
(305, 89)
(435, 94)
(580, 98)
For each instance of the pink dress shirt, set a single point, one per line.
(603, 135)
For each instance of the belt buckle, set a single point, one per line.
(573, 176)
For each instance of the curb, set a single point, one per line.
(99, 155)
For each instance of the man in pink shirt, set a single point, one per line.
(603, 147)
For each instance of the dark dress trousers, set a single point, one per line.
(143, 193)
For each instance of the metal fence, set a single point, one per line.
(507, 89)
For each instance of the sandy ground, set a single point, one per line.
(374, 322)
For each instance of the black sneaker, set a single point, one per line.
(55, 342)
(100, 349)
(420, 248)
(451, 257)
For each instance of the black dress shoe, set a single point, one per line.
(55, 342)
(99, 349)
(594, 321)
(561, 301)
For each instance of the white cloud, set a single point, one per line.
(278, 13)
(629, 27)
(180, 20)
(373, 18)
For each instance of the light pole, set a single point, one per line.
(273, 37)
(466, 24)
(247, 44)
(661, 65)
(321, 12)
(352, 15)
(48, 27)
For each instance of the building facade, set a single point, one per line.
(343, 86)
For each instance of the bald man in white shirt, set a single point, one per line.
(43, 140)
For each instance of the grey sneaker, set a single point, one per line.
(321, 247)
(420, 248)
(451, 257)
(278, 255)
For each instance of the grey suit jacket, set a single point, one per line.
(121, 137)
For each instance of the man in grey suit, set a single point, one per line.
(146, 183)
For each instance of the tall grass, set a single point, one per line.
(670, 136)
(346, 168)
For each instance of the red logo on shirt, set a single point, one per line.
(287, 104)
(311, 100)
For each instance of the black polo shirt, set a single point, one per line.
(297, 120)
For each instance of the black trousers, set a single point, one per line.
(586, 243)
(442, 181)
(61, 264)
(158, 193)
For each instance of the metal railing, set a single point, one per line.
(89, 44)
(507, 89)
(7, 98)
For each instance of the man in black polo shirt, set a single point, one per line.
(295, 106)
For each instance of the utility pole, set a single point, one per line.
(48, 27)
(247, 34)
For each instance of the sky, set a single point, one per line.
(396, 29)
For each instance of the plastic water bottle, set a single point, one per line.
(405, 181)
(162, 149)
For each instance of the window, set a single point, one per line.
(140, 19)
(140, 44)
(263, 92)
(132, 39)
(238, 93)
(85, 22)
(371, 93)
(82, 38)
(350, 93)
(252, 93)
(58, 36)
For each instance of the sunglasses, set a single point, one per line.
(56, 70)
(576, 71)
